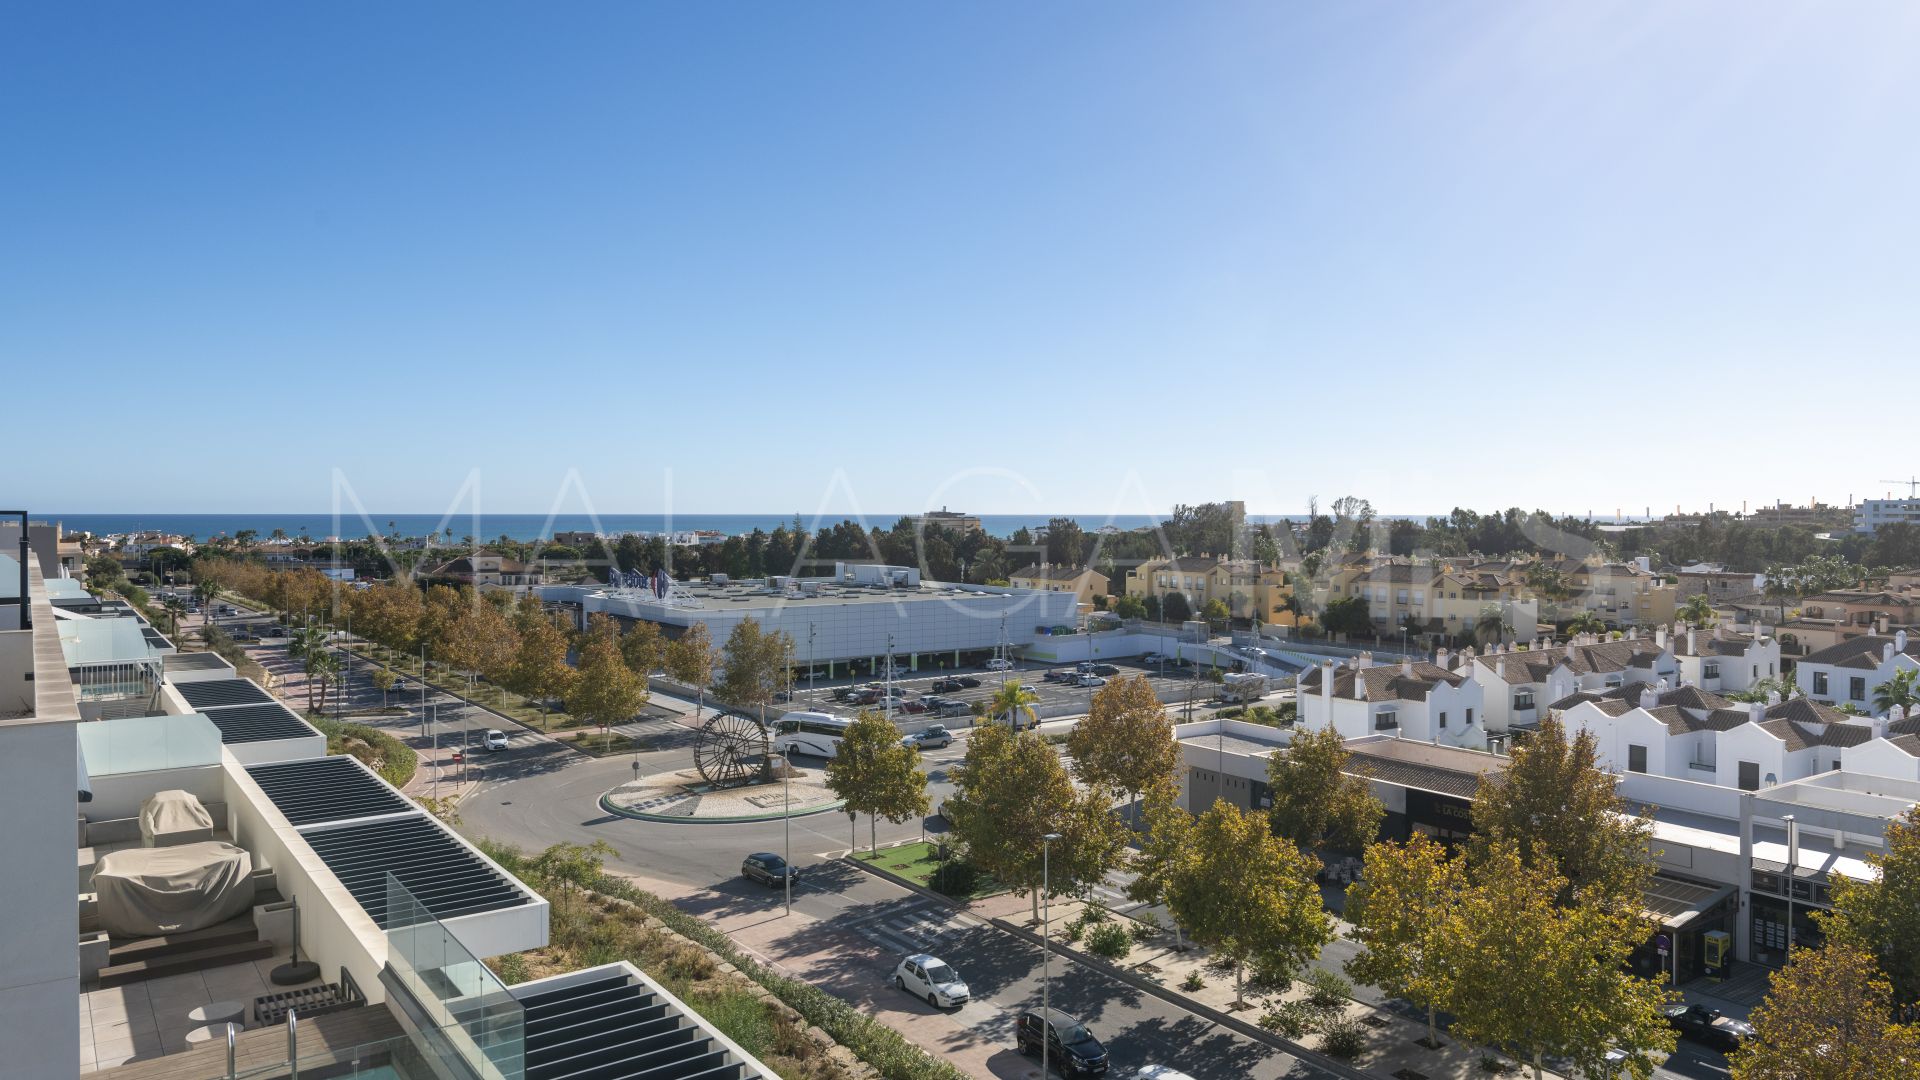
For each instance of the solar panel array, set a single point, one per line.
(616, 1028)
(446, 877)
(257, 723)
(214, 693)
(326, 789)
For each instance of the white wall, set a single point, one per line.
(39, 951)
(1878, 757)
(1748, 742)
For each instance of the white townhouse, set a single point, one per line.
(1519, 684)
(1413, 700)
(1724, 661)
(1849, 672)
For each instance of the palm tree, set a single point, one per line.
(1899, 691)
(1490, 626)
(1698, 611)
(322, 667)
(205, 590)
(175, 607)
(1783, 584)
(1010, 701)
(1586, 623)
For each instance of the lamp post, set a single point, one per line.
(1046, 945)
(786, 821)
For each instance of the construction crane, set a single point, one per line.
(1913, 485)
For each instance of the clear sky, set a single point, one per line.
(1009, 257)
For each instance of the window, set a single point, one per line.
(1820, 682)
(1443, 721)
(1400, 596)
(1749, 776)
(1636, 758)
(1469, 717)
(1522, 700)
(1709, 671)
(1419, 596)
(1857, 688)
(1386, 720)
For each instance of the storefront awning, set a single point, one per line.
(1676, 903)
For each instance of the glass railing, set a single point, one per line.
(398, 1058)
(148, 743)
(484, 1025)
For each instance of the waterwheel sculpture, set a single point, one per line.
(732, 750)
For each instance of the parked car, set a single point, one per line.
(768, 869)
(1154, 658)
(998, 664)
(1057, 675)
(967, 682)
(1105, 669)
(913, 705)
(931, 978)
(1708, 1026)
(846, 694)
(949, 707)
(944, 686)
(1091, 680)
(934, 738)
(1071, 1048)
(496, 739)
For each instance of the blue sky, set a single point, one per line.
(1085, 257)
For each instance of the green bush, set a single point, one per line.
(954, 879)
(1293, 1019)
(1109, 941)
(1343, 1037)
(1193, 983)
(1327, 989)
(394, 760)
(1144, 931)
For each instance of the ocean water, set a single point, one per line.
(515, 526)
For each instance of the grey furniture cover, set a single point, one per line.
(174, 817)
(167, 890)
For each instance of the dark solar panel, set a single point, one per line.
(326, 789)
(217, 692)
(257, 723)
(443, 875)
(616, 1028)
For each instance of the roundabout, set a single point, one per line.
(686, 797)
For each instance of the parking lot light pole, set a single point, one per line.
(1046, 946)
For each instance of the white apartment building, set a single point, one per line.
(1520, 683)
(1412, 700)
(1849, 672)
(264, 845)
(1725, 661)
(1871, 514)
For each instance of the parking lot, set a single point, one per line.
(1173, 685)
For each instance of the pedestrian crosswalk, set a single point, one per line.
(659, 730)
(920, 926)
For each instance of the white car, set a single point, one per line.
(999, 665)
(1092, 680)
(496, 739)
(1159, 1072)
(929, 978)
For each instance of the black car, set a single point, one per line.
(1105, 669)
(846, 694)
(1071, 1048)
(1709, 1026)
(967, 682)
(768, 869)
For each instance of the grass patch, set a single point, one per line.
(484, 693)
(919, 863)
(584, 934)
(394, 760)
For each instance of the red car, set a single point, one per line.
(914, 706)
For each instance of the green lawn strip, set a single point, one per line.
(917, 862)
(880, 1046)
(591, 742)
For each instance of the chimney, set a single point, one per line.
(1359, 687)
(1757, 712)
(1569, 650)
(1880, 728)
(1406, 669)
(1880, 625)
(1327, 670)
(1440, 659)
(1500, 668)
(1693, 642)
(1649, 699)
(1773, 697)
(1660, 637)
(1896, 714)
(1886, 653)
(1899, 641)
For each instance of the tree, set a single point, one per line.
(1010, 702)
(757, 667)
(1126, 742)
(644, 648)
(1315, 804)
(1399, 911)
(1216, 613)
(322, 669)
(1586, 622)
(1544, 979)
(1347, 615)
(1882, 916)
(205, 590)
(1248, 896)
(540, 669)
(1164, 847)
(1490, 626)
(1175, 608)
(175, 607)
(1828, 1013)
(1559, 810)
(1130, 607)
(382, 679)
(1698, 611)
(690, 660)
(1898, 692)
(606, 692)
(1009, 793)
(877, 774)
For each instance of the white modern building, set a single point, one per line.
(163, 868)
(1412, 700)
(1520, 683)
(1871, 514)
(1725, 661)
(854, 617)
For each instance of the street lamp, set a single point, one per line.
(786, 820)
(1046, 945)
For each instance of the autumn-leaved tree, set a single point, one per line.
(1249, 896)
(383, 680)
(691, 659)
(606, 692)
(1009, 793)
(644, 648)
(756, 666)
(1828, 1013)
(540, 669)
(1399, 911)
(1126, 742)
(1164, 848)
(1560, 811)
(1881, 916)
(1315, 804)
(877, 775)
(1519, 969)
